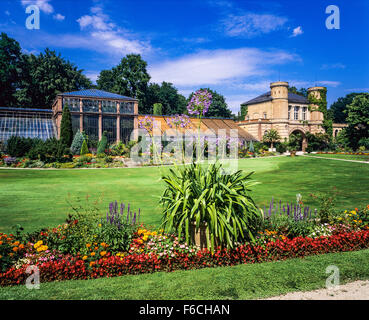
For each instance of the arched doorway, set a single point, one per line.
(298, 139)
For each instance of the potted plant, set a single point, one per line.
(292, 151)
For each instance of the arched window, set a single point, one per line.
(265, 115)
(336, 132)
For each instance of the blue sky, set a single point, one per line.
(234, 47)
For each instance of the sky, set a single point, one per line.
(234, 47)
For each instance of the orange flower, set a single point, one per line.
(102, 253)
(356, 209)
(15, 249)
(84, 257)
(93, 253)
(21, 246)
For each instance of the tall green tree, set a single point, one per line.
(358, 119)
(66, 132)
(129, 78)
(46, 75)
(338, 107)
(10, 63)
(218, 107)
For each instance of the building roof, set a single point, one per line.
(292, 97)
(95, 93)
(25, 109)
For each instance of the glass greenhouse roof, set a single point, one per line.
(95, 93)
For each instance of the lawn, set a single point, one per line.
(39, 198)
(355, 157)
(239, 282)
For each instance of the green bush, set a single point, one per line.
(19, 146)
(281, 147)
(51, 150)
(197, 195)
(103, 143)
(84, 148)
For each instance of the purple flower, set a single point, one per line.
(200, 102)
(178, 121)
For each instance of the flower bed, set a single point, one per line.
(68, 268)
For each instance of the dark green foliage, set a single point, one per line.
(84, 148)
(103, 143)
(317, 142)
(129, 78)
(10, 63)
(46, 75)
(51, 150)
(198, 195)
(339, 107)
(302, 91)
(19, 146)
(218, 107)
(358, 119)
(281, 147)
(66, 132)
(167, 95)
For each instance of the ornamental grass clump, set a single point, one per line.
(198, 196)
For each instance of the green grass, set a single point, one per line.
(38, 198)
(355, 157)
(239, 282)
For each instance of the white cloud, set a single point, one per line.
(59, 17)
(333, 66)
(43, 5)
(297, 31)
(7, 13)
(103, 32)
(251, 24)
(308, 84)
(215, 67)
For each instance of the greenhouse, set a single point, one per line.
(28, 123)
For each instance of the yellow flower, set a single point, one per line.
(84, 257)
(145, 238)
(102, 253)
(100, 225)
(93, 253)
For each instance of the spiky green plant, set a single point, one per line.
(199, 195)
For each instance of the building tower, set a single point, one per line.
(279, 94)
(316, 115)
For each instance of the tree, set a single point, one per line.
(84, 148)
(129, 78)
(66, 132)
(218, 107)
(46, 75)
(337, 108)
(358, 119)
(302, 91)
(157, 109)
(77, 142)
(167, 95)
(103, 143)
(10, 61)
(272, 136)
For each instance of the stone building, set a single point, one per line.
(283, 111)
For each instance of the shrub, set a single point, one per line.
(77, 143)
(84, 148)
(103, 143)
(19, 146)
(51, 150)
(281, 147)
(197, 195)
